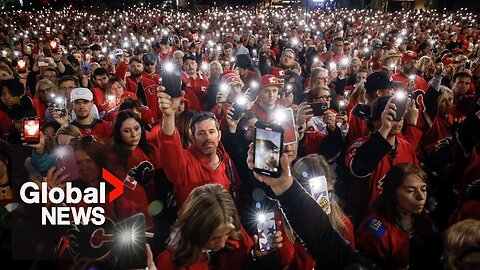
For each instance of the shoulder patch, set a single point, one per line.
(357, 143)
(376, 226)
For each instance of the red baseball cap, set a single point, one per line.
(409, 55)
(270, 80)
(128, 95)
(278, 72)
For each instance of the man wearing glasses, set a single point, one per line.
(150, 66)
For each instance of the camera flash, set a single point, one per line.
(400, 95)
(261, 218)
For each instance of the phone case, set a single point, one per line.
(268, 149)
(402, 106)
(266, 230)
(172, 84)
(319, 191)
(129, 246)
(31, 130)
(239, 110)
(66, 158)
(288, 123)
(319, 108)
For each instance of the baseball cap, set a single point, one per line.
(278, 72)
(149, 58)
(117, 52)
(376, 81)
(232, 78)
(377, 43)
(128, 95)
(243, 61)
(189, 56)
(409, 55)
(136, 58)
(269, 80)
(81, 93)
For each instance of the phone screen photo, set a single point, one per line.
(130, 243)
(59, 103)
(31, 130)
(266, 230)
(268, 147)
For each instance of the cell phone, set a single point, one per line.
(266, 229)
(129, 244)
(239, 106)
(85, 68)
(401, 101)
(65, 157)
(319, 191)
(28, 49)
(21, 66)
(172, 83)
(31, 130)
(42, 64)
(468, 64)
(319, 108)
(286, 119)
(59, 104)
(268, 148)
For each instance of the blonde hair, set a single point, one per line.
(458, 239)
(422, 61)
(69, 130)
(206, 208)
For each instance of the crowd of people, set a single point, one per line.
(386, 112)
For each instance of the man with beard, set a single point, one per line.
(407, 75)
(100, 79)
(203, 163)
(150, 66)
(369, 158)
(82, 99)
(144, 87)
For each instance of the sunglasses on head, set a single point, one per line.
(84, 139)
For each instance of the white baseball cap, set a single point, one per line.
(117, 52)
(81, 93)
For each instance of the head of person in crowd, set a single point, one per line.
(51, 74)
(190, 64)
(309, 171)
(347, 48)
(337, 45)
(66, 84)
(374, 122)
(183, 124)
(409, 61)
(319, 94)
(404, 194)
(424, 48)
(391, 58)
(5, 73)
(91, 157)
(49, 129)
(150, 63)
(461, 83)
(66, 133)
(462, 245)
(378, 84)
(135, 66)
(206, 133)
(45, 89)
(361, 75)
(378, 49)
(425, 65)
(100, 78)
(115, 87)
(246, 126)
(270, 87)
(12, 92)
(206, 221)
(287, 59)
(216, 70)
(444, 102)
(355, 65)
(128, 134)
(243, 62)
(231, 84)
(82, 99)
(178, 58)
(228, 51)
(319, 77)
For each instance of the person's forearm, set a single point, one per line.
(168, 125)
(369, 155)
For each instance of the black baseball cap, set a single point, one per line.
(189, 56)
(378, 80)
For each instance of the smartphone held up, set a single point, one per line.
(31, 130)
(268, 148)
(266, 229)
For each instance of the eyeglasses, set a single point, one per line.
(472, 249)
(324, 97)
(44, 90)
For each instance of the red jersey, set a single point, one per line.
(150, 91)
(100, 129)
(386, 242)
(404, 154)
(440, 131)
(357, 126)
(121, 71)
(199, 86)
(189, 168)
(40, 107)
(98, 96)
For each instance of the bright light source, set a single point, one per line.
(169, 67)
(241, 100)
(279, 116)
(261, 218)
(400, 95)
(316, 183)
(345, 61)
(253, 84)
(61, 152)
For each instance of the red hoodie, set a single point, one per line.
(189, 168)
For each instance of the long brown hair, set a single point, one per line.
(206, 208)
